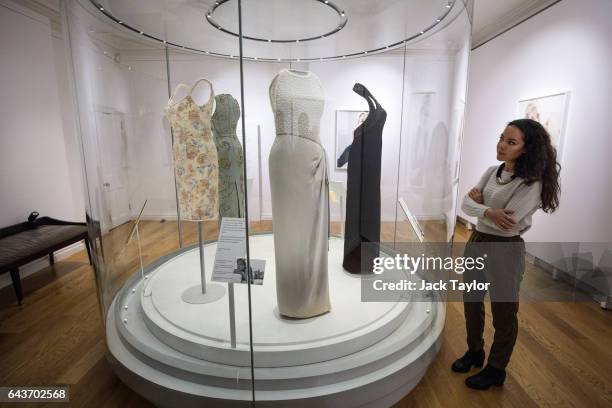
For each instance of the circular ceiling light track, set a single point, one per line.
(342, 20)
(447, 9)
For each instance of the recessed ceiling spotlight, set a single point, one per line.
(326, 1)
(344, 56)
(269, 40)
(141, 33)
(448, 5)
(208, 52)
(297, 41)
(120, 22)
(342, 14)
(298, 60)
(101, 8)
(438, 20)
(365, 52)
(422, 32)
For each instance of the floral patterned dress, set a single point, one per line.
(196, 165)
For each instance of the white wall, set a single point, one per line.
(565, 48)
(71, 142)
(103, 88)
(38, 166)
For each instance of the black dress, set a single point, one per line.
(362, 223)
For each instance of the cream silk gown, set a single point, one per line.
(300, 195)
(195, 155)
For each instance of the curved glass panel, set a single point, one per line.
(249, 165)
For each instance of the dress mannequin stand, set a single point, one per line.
(196, 169)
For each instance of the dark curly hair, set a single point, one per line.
(539, 162)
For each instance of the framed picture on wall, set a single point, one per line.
(346, 123)
(551, 112)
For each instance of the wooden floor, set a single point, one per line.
(563, 356)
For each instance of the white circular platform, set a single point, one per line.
(203, 330)
(358, 354)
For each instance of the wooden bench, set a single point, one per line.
(36, 238)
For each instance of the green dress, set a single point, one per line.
(230, 156)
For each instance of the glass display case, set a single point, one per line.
(245, 162)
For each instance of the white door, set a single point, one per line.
(112, 144)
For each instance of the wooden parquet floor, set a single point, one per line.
(563, 356)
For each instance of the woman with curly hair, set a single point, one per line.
(504, 201)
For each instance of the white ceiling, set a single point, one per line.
(490, 11)
(491, 17)
(47, 8)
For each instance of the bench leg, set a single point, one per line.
(87, 244)
(51, 259)
(17, 284)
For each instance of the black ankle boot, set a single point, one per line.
(470, 359)
(486, 378)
